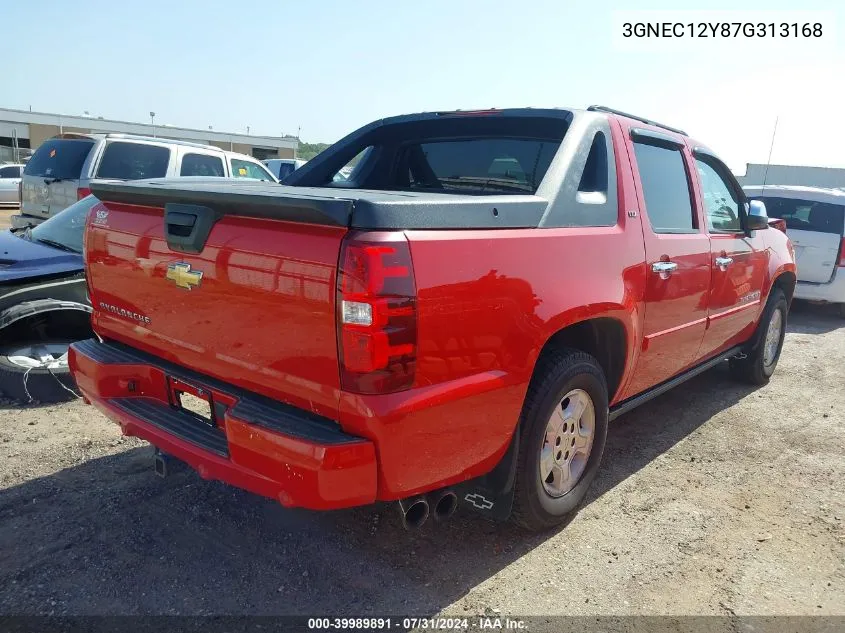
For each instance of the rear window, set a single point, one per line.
(10, 172)
(59, 158)
(494, 153)
(133, 161)
(806, 215)
(489, 165)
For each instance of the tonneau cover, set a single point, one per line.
(354, 208)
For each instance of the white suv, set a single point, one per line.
(815, 223)
(60, 170)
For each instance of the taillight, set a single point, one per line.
(778, 223)
(842, 253)
(376, 313)
(82, 192)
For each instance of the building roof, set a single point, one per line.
(99, 124)
(821, 194)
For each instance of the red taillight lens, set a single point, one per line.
(82, 192)
(842, 253)
(377, 313)
(778, 223)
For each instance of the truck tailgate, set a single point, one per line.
(254, 306)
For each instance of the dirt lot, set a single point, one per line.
(714, 499)
(5, 215)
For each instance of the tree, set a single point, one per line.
(307, 151)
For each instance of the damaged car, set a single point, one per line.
(44, 305)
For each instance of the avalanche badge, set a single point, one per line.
(181, 274)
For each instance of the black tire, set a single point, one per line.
(753, 369)
(42, 384)
(557, 374)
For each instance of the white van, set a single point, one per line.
(61, 168)
(815, 223)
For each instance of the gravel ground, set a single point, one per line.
(6, 217)
(713, 499)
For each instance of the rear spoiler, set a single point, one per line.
(226, 197)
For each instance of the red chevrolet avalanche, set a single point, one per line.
(455, 322)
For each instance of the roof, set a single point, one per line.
(138, 137)
(98, 124)
(819, 194)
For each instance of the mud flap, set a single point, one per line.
(492, 494)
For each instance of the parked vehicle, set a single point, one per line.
(437, 329)
(60, 171)
(815, 222)
(283, 167)
(43, 305)
(10, 180)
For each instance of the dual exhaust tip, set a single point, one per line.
(416, 510)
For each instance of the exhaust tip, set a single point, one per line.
(414, 512)
(445, 505)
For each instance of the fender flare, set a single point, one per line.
(754, 342)
(39, 306)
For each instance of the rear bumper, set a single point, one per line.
(268, 448)
(833, 291)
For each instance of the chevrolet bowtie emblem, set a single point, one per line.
(181, 274)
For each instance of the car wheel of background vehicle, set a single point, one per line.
(36, 371)
(564, 428)
(759, 365)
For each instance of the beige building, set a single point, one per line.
(22, 131)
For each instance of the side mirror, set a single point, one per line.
(757, 217)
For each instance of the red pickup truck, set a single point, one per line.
(455, 322)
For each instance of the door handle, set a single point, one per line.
(724, 262)
(664, 269)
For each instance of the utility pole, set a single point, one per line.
(153, 122)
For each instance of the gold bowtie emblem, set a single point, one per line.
(182, 275)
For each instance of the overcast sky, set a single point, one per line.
(331, 66)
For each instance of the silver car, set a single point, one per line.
(10, 180)
(61, 169)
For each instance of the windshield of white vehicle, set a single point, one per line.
(64, 230)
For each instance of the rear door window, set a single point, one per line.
(133, 161)
(665, 188)
(202, 165)
(481, 165)
(806, 215)
(59, 158)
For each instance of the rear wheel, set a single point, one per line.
(759, 364)
(36, 371)
(564, 428)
